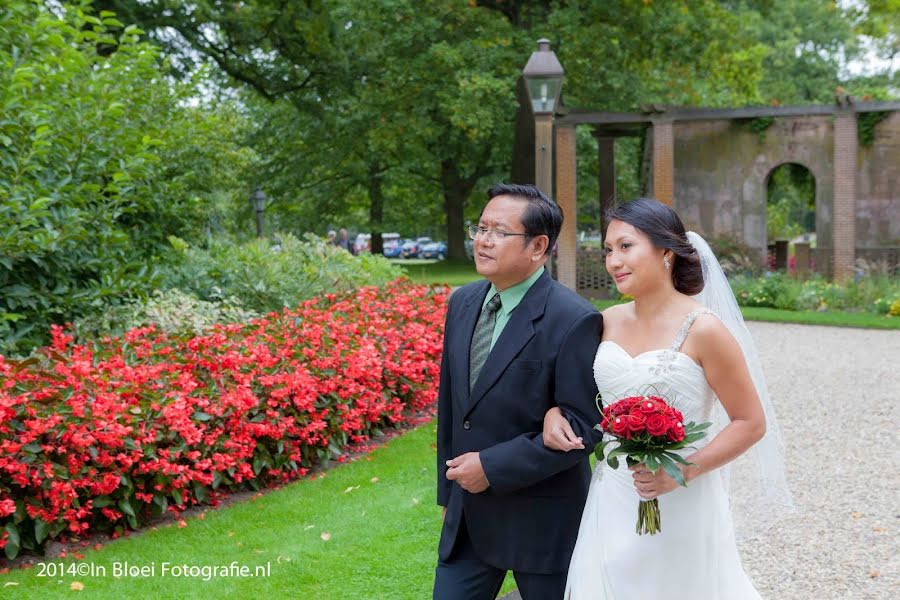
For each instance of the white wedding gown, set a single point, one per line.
(694, 556)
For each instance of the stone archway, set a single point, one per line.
(713, 164)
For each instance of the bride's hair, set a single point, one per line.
(664, 228)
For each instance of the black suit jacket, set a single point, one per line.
(528, 519)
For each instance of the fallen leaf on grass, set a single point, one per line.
(76, 586)
(325, 536)
(415, 500)
(9, 583)
(351, 488)
(373, 480)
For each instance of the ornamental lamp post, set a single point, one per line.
(258, 200)
(543, 78)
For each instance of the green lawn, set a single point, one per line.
(774, 315)
(382, 539)
(448, 271)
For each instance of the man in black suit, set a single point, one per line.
(515, 345)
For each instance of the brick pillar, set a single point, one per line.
(801, 258)
(566, 197)
(781, 255)
(606, 174)
(663, 161)
(845, 151)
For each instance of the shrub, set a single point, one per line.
(777, 290)
(105, 435)
(101, 161)
(267, 276)
(169, 311)
(735, 256)
(773, 290)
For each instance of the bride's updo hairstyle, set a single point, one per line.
(664, 228)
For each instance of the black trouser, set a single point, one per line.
(464, 576)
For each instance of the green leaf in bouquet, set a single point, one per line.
(612, 461)
(600, 448)
(679, 458)
(691, 438)
(651, 462)
(672, 469)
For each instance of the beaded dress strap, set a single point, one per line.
(686, 327)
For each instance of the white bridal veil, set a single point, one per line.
(756, 482)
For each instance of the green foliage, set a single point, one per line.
(101, 161)
(264, 276)
(791, 206)
(758, 125)
(866, 122)
(172, 311)
(777, 290)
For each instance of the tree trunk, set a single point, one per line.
(456, 189)
(376, 208)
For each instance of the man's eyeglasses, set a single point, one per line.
(484, 233)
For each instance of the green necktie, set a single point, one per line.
(481, 339)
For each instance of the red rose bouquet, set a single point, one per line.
(648, 430)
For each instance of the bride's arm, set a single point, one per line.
(727, 374)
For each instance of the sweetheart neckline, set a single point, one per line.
(637, 356)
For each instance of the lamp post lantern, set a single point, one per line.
(543, 78)
(258, 200)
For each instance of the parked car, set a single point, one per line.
(392, 248)
(436, 250)
(363, 241)
(411, 248)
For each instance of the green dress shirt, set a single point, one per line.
(509, 300)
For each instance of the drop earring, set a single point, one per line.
(666, 262)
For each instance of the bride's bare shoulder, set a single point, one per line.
(710, 333)
(617, 313)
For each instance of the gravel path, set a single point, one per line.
(837, 397)
(842, 463)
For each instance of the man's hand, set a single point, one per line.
(466, 470)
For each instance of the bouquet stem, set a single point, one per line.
(648, 517)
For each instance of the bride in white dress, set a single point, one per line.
(684, 334)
